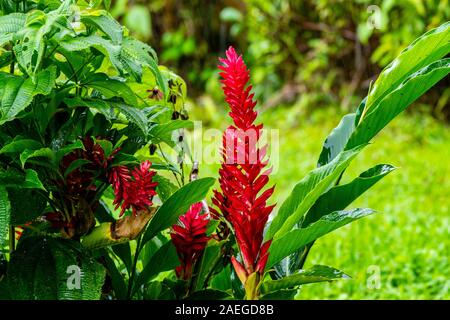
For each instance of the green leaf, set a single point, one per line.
(103, 21)
(138, 20)
(317, 273)
(30, 42)
(136, 50)
(5, 212)
(165, 187)
(13, 178)
(123, 251)
(337, 139)
(26, 205)
(339, 197)
(78, 144)
(178, 204)
(117, 278)
(32, 180)
(19, 145)
(76, 165)
(96, 106)
(297, 238)
(41, 268)
(163, 132)
(111, 88)
(127, 58)
(18, 93)
(134, 115)
(40, 153)
(397, 101)
(165, 259)
(206, 265)
(307, 191)
(9, 25)
(425, 50)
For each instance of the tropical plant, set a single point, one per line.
(98, 208)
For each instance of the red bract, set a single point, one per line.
(133, 189)
(189, 238)
(243, 176)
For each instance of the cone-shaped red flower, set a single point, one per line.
(189, 238)
(242, 200)
(133, 189)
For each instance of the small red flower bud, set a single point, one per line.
(189, 238)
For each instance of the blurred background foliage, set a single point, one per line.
(315, 54)
(312, 62)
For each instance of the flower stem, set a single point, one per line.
(134, 267)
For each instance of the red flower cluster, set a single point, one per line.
(189, 238)
(79, 182)
(242, 200)
(133, 189)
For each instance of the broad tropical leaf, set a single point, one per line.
(397, 101)
(111, 88)
(339, 197)
(41, 268)
(206, 265)
(306, 192)
(430, 47)
(297, 238)
(337, 139)
(317, 273)
(177, 205)
(9, 25)
(103, 21)
(18, 93)
(164, 259)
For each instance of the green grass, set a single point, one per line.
(408, 240)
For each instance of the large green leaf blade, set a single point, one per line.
(317, 273)
(297, 238)
(339, 197)
(165, 259)
(103, 21)
(335, 199)
(9, 25)
(134, 115)
(176, 205)
(397, 101)
(337, 139)
(425, 50)
(112, 88)
(41, 269)
(18, 93)
(206, 265)
(307, 191)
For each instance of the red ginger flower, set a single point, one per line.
(242, 179)
(133, 189)
(189, 238)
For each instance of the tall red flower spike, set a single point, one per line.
(242, 179)
(133, 189)
(189, 238)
